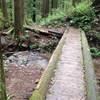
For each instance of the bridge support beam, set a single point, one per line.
(90, 78)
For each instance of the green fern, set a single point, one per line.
(95, 52)
(52, 17)
(83, 15)
(98, 35)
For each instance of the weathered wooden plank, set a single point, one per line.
(89, 70)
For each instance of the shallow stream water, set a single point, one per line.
(24, 70)
(27, 59)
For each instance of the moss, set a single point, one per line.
(36, 96)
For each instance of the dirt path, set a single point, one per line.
(68, 82)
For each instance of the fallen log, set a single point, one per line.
(54, 32)
(44, 31)
(36, 29)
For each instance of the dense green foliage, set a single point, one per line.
(95, 52)
(64, 9)
(83, 15)
(98, 35)
(52, 17)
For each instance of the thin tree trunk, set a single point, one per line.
(22, 10)
(0, 4)
(4, 9)
(18, 16)
(54, 4)
(2, 76)
(34, 11)
(45, 8)
(74, 2)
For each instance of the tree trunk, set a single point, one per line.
(54, 4)
(34, 11)
(18, 16)
(2, 76)
(22, 11)
(73, 2)
(0, 4)
(4, 9)
(45, 8)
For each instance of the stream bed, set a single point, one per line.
(23, 71)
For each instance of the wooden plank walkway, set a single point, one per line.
(68, 82)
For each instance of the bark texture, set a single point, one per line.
(18, 16)
(54, 4)
(45, 8)
(34, 11)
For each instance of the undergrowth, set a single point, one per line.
(98, 35)
(95, 52)
(0, 18)
(58, 15)
(83, 15)
(52, 17)
(3, 22)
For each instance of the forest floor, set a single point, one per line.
(21, 82)
(23, 71)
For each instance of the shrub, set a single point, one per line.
(95, 52)
(52, 17)
(82, 16)
(58, 14)
(1, 19)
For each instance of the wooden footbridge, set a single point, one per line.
(70, 74)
